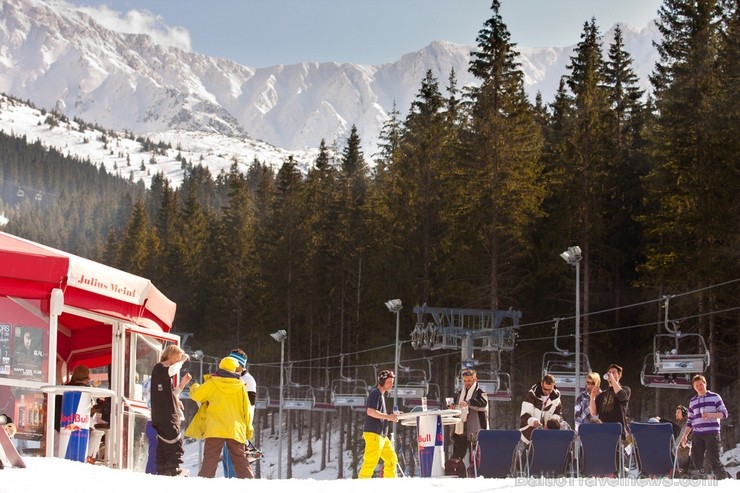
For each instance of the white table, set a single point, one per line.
(430, 435)
(74, 434)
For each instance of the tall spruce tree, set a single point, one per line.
(681, 224)
(627, 163)
(499, 192)
(690, 219)
(586, 162)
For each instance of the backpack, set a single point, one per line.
(455, 467)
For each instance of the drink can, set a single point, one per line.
(395, 410)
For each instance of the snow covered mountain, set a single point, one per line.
(60, 58)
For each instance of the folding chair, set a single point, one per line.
(601, 449)
(654, 445)
(549, 452)
(496, 449)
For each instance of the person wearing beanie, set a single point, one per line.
(228, 418)
(166, 408)
(241, 356)
(377, 444)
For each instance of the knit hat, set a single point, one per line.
(383, 375)
(241, 359)
(229, 364)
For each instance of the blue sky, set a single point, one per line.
(260, 33)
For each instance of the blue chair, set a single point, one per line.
(601, 451)
(654, 445)
(496, 449)
(549, 452)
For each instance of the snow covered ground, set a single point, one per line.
(62, 476)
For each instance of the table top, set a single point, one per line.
(93, 391)
(449, 416)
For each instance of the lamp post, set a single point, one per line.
(280, 337)
(395, 306)
(573, 256)
(198, 355)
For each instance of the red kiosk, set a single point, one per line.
(57, 311)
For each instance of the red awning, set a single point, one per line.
(31, 270)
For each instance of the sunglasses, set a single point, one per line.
(590, 382)
(468, 373)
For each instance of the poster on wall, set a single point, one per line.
(4, 349)
(28, 352)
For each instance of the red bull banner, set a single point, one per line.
(74, 425)
(431, 446)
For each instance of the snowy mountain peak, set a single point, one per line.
(59, 57)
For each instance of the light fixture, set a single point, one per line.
(280, 335)
(197, 355)
(572, 254)
(394, 305)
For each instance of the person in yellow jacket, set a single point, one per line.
(227, 418)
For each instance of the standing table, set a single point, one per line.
(74, 426)
(430, 434)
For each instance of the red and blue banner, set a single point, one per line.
(74, 425)
(431, 446)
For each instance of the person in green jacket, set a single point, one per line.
(227, 419)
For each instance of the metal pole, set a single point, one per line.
(578, 327)
(280, 412)
(201, 444)
(395, 372)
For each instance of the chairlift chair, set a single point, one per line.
(680, 353)
(297, 396)
(263, 398)
(495, 383)
(411, 386)
(323, 396)
(650, 378)
(562, 366)
(347, 392)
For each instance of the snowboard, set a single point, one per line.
(14, 458)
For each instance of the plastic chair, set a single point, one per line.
(549, 452)
(601, 449)
(496, 449)
(654, 445)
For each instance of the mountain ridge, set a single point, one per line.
(60, 58)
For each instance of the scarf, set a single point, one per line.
(465, 396)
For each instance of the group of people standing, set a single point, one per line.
(224, 419)
(542, 408)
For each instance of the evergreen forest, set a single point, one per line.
(468, 204)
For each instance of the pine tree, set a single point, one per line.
(585, 166)
(627, 163)
(682, 235)
(691, 216)
(499, 193)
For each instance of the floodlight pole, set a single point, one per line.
(573, 256)
(280, 336)
(395, 306)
